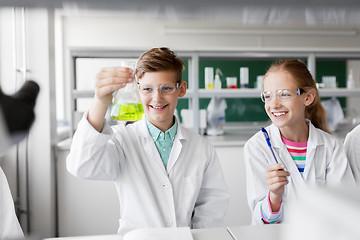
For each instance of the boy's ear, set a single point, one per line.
(182, 88)
(310, 97)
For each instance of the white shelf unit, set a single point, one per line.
(193, 57)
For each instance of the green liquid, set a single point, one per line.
(127, 112)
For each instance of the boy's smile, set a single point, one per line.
(159, 107)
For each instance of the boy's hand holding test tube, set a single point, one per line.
(276, 178)
(108, 80)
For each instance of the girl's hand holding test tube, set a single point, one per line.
(276, 179)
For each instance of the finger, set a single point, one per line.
(112, 81)
(276, 180)
(108, 89)
(117, 70)
(278, 173)
(275, 167)
(121, 75)
(277, 185)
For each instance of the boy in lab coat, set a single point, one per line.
(165, 175)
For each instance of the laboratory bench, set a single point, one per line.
(253, 232)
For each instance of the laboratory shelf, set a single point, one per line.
(339, 92)
(90, 94)
(83, 94)
(239, 93)
(255, 93)
(230, 93)
(194, 93)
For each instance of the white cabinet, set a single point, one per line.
(233, 165)
(85, 207)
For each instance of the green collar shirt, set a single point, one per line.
(163, 141)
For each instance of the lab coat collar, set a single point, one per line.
(284, 156)
(144, 132)
(180, 139)
(314, 141)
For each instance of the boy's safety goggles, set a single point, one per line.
(147, 89)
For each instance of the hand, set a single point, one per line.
(109, 80)
(276, 179)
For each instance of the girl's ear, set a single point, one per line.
(310, 97)
(182, 88)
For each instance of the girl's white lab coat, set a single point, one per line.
(352, 148)
(190, 192)
(326, 165)
(9, 224)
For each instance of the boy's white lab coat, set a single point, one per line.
(9, 224)
(352, 148)
(190, 192)
(326, 165)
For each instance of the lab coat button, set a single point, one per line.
(166, 185)
(169, 223)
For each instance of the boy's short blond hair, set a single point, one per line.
(159, 59)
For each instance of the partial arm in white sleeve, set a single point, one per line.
(94, 155)
(257, 191)
(352, 148)
(338, 170)
(213, 199)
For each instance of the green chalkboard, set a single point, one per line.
(245, 109)
(330, 67)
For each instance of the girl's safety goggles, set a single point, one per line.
(281, 94)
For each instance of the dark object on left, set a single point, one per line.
(18, 109)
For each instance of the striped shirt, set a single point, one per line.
(297, 151)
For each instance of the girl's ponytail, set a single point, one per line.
(316, 113)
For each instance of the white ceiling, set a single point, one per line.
(246, 12)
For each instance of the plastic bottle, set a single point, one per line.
(244, 77)
(217, 80)
(350, 82)
(216, 116)
(209, 78)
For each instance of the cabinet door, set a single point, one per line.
(86, 207)
(233, 166)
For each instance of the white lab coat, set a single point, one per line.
(9, 224)
(326, 165)
(352, 148)
(190, 192)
